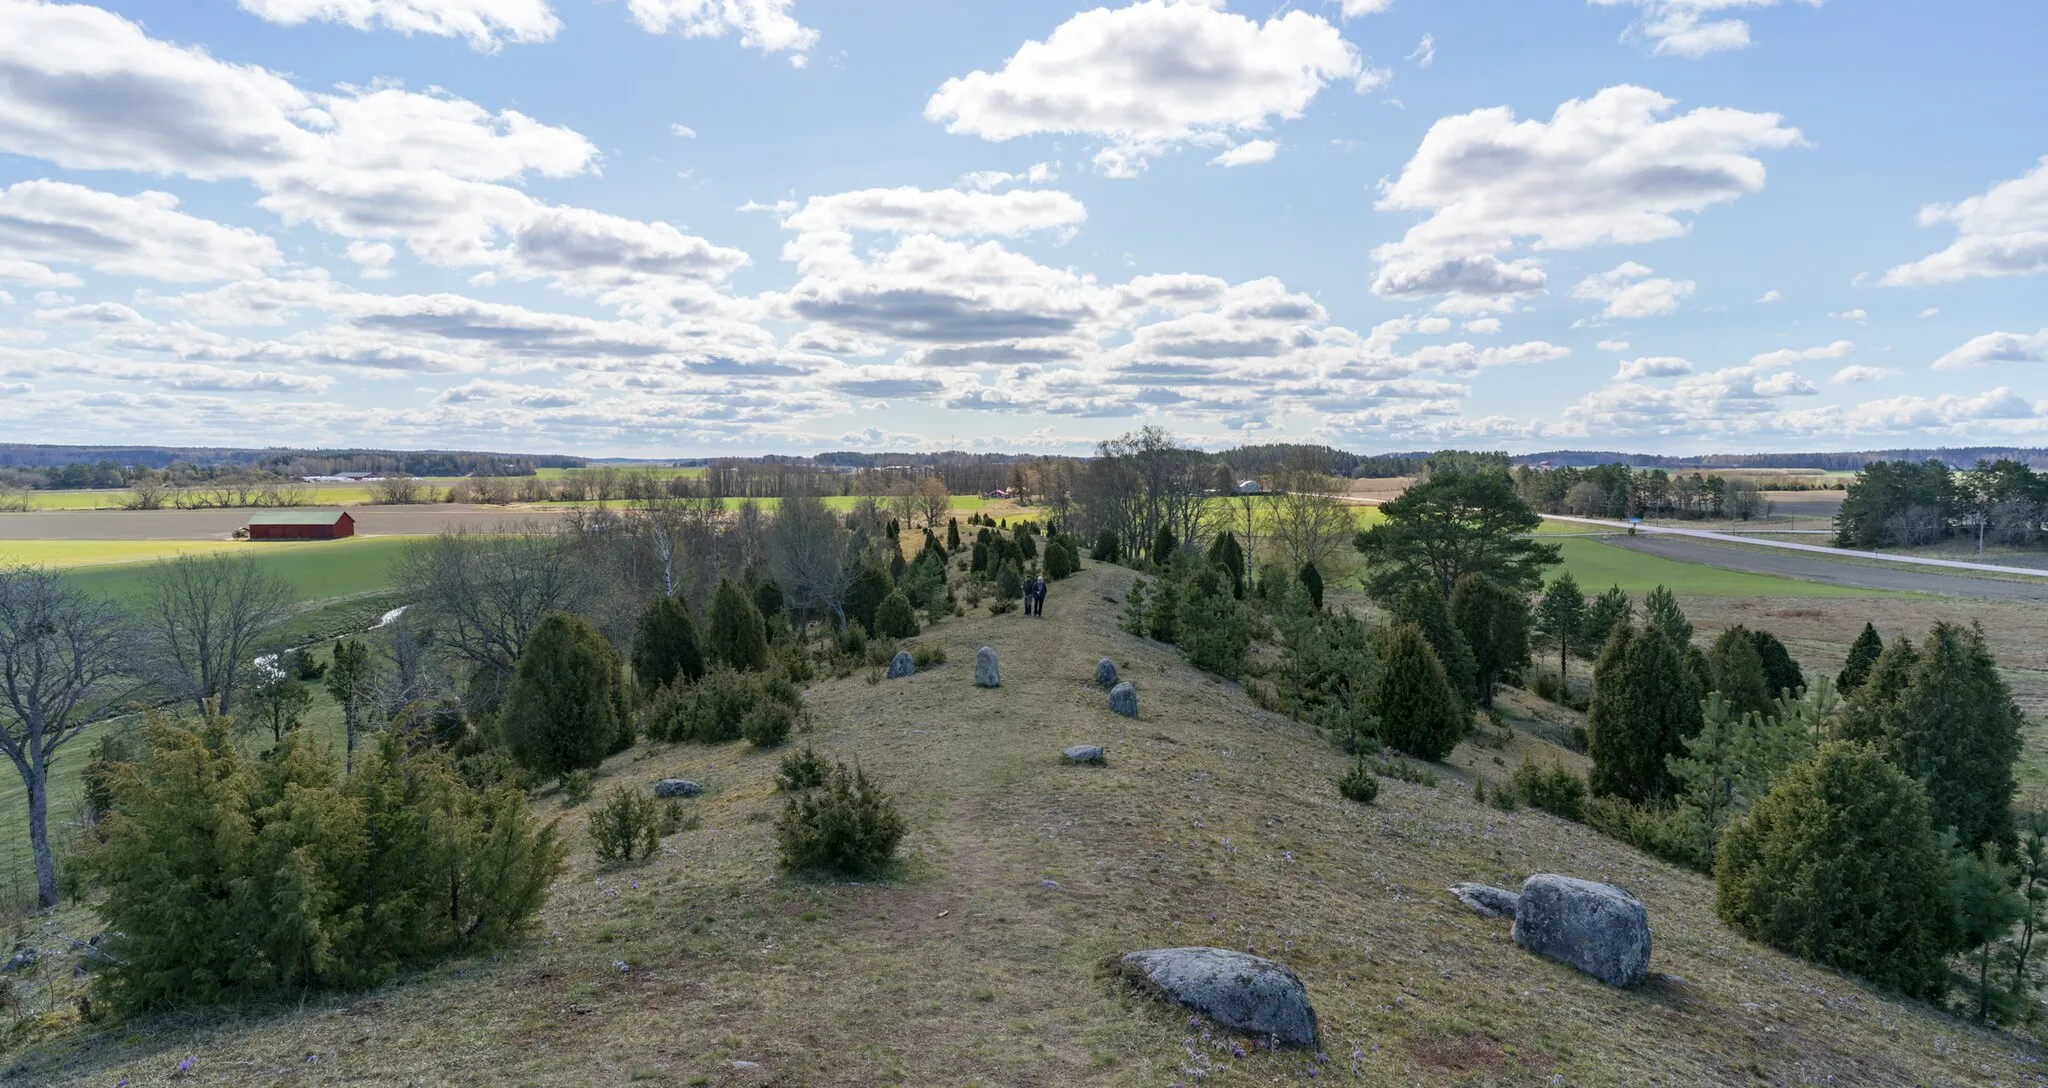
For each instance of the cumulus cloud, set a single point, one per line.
(1631, 292)
(2003, 232)
(1352, 9)
(1247, 153)
(1859, 316)
(948, 212)
(1612, 345)
(1771, 360)
(1606, 170)
(1997, 347)
(1692, 28)
(372, 258)
(55, 222)
(1151, 77)
(486, 23)
(1483, 326)
(1853, 375)
(768, 25)
(1652, 366)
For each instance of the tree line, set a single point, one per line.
(1909, 503)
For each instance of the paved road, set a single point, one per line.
(218, 524)
(1816, 549)
(1816, 568)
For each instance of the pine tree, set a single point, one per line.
(1229, 556)
(1418, 712)
(768, 598)
(894, 618)
(869, 587)
(1644, 707)
(665, 646)
(979, 563)
(1608, 611)
(1164, 545)
(1421, 605)
(1986, 906)
(1312, 581)
(1661, 614)
(1737, 672)
(1864, 719)
(1956, 729)
(1839, 864)
(736, 635)
(1107, 548)
(1782, 675)
(952, 535)
(1561, 619)
(1862, 655)
(1495, 622)
(562, 712)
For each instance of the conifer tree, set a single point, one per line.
(1495, 622)
(1418, 712)
(1661, 614)
(768, 598)
(1164, 545)
(1421, 605)
(1107, 547)
(1312, 581)
(1561, 619)
(1956, 729)
(1607, 611)
(562, 712)
(1009, 585)
(894, 618)
(979, 563)
(736, 635)
(1864, 719)
(1862, 655)
(1839, 864)
(1229, 556)
(1027, 546)
(952, 535)
(665, 646)
(351, 681)
(1737, 672)
(869, 587)
(1782, 675)
(1645, 705)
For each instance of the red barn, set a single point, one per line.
(301, 525)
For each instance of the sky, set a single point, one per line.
(659, 228)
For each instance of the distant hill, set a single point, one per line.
(1960, 457)
(284, 458)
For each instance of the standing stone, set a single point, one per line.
(1123, 699)
(1105, 673)
(1237, 990)
(902, 665)
(1084, 753)
(677, 787)
(1597, 928)
(985, 674)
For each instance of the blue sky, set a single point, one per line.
(666, 227)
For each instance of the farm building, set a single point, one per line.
(301, 525)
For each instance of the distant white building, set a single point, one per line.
(1248, 487)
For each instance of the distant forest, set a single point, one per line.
(1956, 457)
(118, 466)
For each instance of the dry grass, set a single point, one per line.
(976, 961)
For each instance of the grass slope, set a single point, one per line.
(86, 553)
(977, 962)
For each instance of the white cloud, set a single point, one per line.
(1859, 316)
(32, 274)
(1425, 52)
(1039, 173)
(1771, 295)
(1771, 360)
(1483, 326)
(940, 211)
(374, 258)
(2003, 232)
(1605, 170)
(44, 222)
(682, 132)
(1630, 292)
(1244, 154)
(1997, 347)
(1151, 77)
(1931, 311)
(486, 23)
(768, 25)
(1691, 28)
(1352, 9)
(1652, 366)
(1853, 375)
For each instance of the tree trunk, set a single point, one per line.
(39, 837)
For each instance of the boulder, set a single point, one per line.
(1487, 900)
(24, 958)
(985, 673)
(1084, 753)
(1105, 673)
(902, 665)
(1597, 928)
(677, 787)
(1237, 990)
(1123, 699)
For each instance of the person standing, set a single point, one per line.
(1038, 592)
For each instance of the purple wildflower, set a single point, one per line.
(186, 1065)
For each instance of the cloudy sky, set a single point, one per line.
(662, 227)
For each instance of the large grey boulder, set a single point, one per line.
(1241, 992)
(1597, 928)
(1123, 699)
(1105, 673)
(677, 787)
(902, 665)
(1084, 753)
(1487, 900)
(985, 673)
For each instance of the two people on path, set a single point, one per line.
(1034, 596)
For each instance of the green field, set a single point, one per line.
(317, 570)
(86, 553)
(1596, 565)
(662, 471)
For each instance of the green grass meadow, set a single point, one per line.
(1595, 565)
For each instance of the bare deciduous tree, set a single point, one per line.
(205, 616)
(933, 501)
(1306, 522)
(807, 551)
(63, 656)
(396, 489)
(481, 593)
